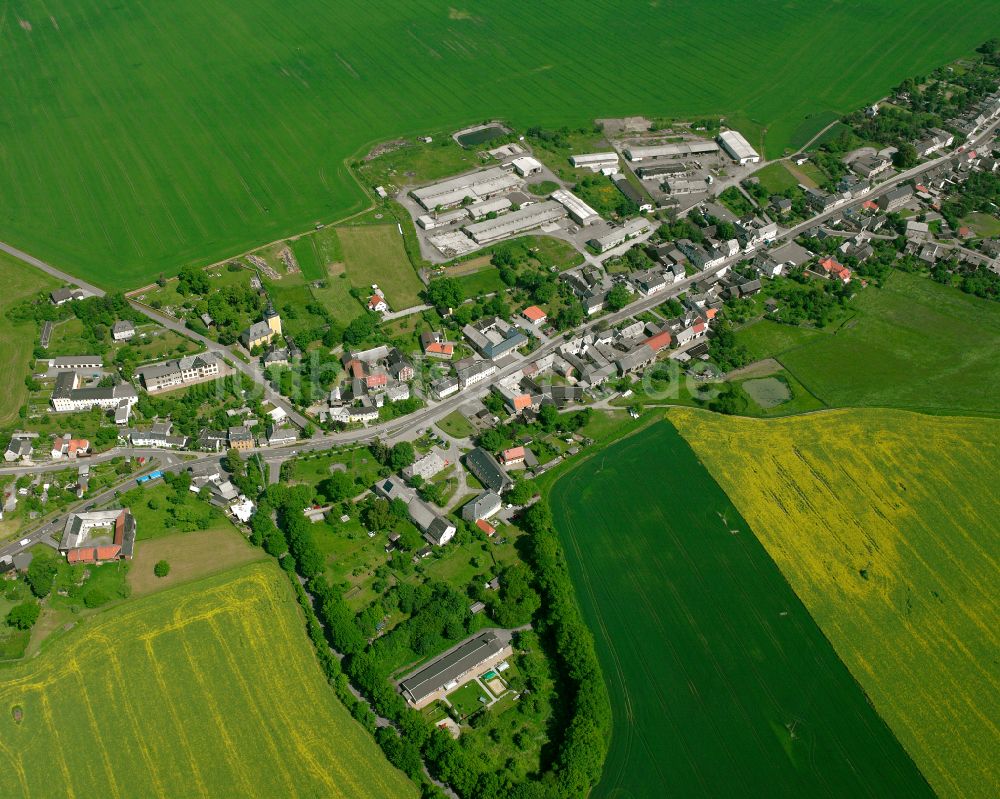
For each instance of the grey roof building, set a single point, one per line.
(482, 507)
(446, 671)
(486, 469)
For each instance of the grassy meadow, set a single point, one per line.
(141, 137)
(718, 675)
(222, 670)
(374, 254)
(914, 344)
(17, 341)
(884, 523)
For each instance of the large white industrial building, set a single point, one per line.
(578, 210)
(679, 150)
(516, 222)
(632, 228)
(480, 185)
(738, 147)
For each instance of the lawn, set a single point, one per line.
(983, 225)
(191, 556)
(230, 138)
(884, 523)
(485, 281)
(776, 178)
(374, 254)
(718, 675)
(17, 341)
(914, 344)
(456, 425)
(199, 664)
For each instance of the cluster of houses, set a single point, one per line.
(221, 493)
(374, 377)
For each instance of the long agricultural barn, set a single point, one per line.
(738, 147)
(595, 161)
(480, 185)
(516, 222)
(578, 210)
(679, 150)
(661, 170)
(456, 667)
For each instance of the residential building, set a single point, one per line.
(455, 667)
(98, 536)
(63, 295)
(482, 507)
(377, 303)
(435, 345)
(21, 447)
(512, 456)
(240, 437)
(445, 387)
(493, 337)
(535, 315)
(158, 435)
(427, 466)
(170, 374)
(486, 469)
(895, 198)
(281, 436)
(213, 440)
(68, 395)
(122, 330)
(868, 166)
(475, 372)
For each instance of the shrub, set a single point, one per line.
(161, 569)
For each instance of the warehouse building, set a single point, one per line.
(480, 185)
(632, 193)
(686, 149)
(484, 208)
(632, 228)
(676, 186)
(738, 147)
(578, 210)
(661, 171)
(596, 162)
(526, 166)
(515, 222)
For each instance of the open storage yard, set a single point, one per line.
(717, 673)
(233, 139)
(884, 523)
(207, 689)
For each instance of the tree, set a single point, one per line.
(444, 293)
(337, 487)
(905, 156)
(492, 440)
(548, 417)
(23, 616)
(41, 573)
(233, 463)
(161, 569)
(617, 298)
(402, 456)
(522, 492)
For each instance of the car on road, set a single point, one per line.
(24, 542)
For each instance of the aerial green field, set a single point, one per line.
(208, 689)
(17, 341)
(718, 675)
(884, 523)
(141, 137)
(374, 255)
(914, 344)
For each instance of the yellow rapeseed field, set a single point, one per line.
(887, 525)
(205, 690)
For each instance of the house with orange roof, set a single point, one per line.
(835, 269)
(377, 303)
(511, 456)
(535, 315)
(435, 345)
(67, 447)
(486, 527)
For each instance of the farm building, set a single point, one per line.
(679, 150)
(480, 185)
(515, 222)
(596, 162)
(630, 229)
(98, 536)
(486, 469)
(578, 210)
(738, 147)
(526, 165)
(632, 193)
(455, 667)
(483, 208)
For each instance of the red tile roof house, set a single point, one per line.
(99, 536)
(512, 456)
(534, 314)
(660, 341)
(836, 269)
(377, 303)
(440, 349)
(486, 527)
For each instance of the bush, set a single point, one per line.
(161, 569)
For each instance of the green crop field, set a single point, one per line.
(207, 689)
(718, 675)
(140, 137)
(914, 344)
(884, 523)
(17, 341)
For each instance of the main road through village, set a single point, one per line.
(397, 429)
